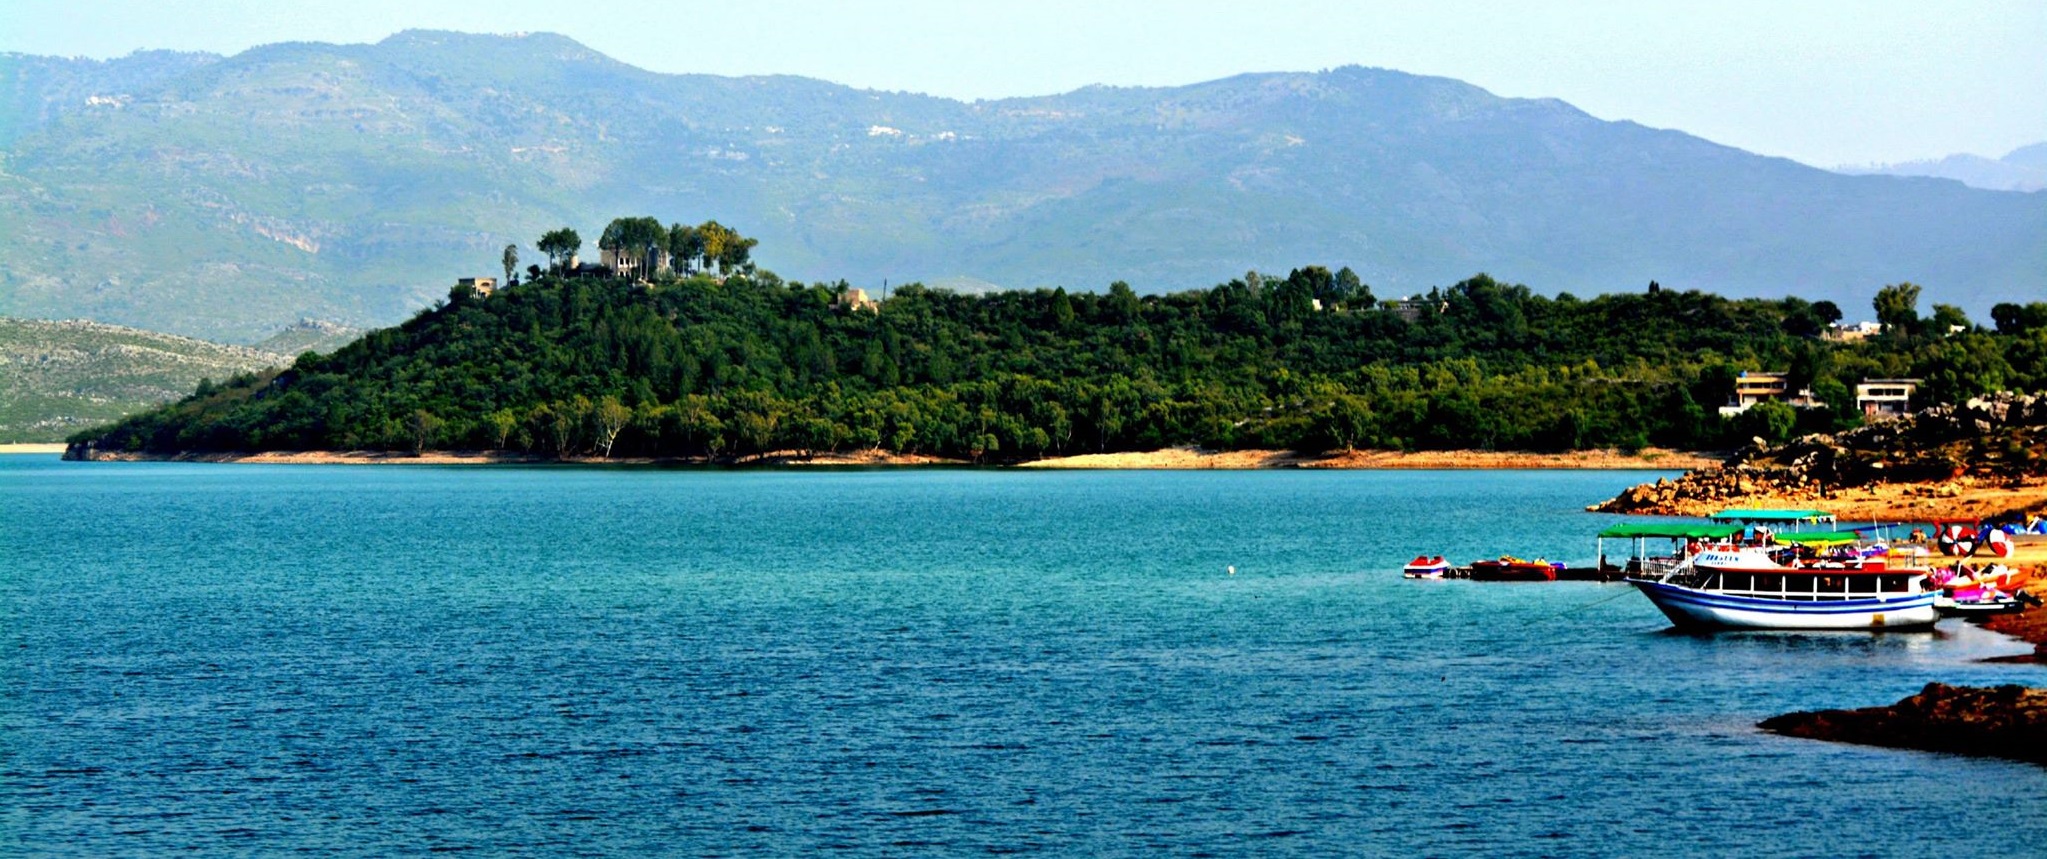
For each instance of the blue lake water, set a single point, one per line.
(383, 660)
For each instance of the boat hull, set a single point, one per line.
(1691, 608)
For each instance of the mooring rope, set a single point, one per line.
(1624, 592)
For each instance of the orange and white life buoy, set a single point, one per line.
(1998, 542)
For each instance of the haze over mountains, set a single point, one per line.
(2022, 169)
(228, 197)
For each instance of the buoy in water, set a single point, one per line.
(1232, 568)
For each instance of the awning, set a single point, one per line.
(1819, 538)
(1672, 530)
(1773, 516)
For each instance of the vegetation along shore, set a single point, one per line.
(681, 348)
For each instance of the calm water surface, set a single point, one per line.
(381, 660)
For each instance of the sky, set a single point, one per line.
(1822, 81)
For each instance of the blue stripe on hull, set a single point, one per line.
(1689, 607)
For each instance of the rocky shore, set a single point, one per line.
(1984, 458)
(2005, 721)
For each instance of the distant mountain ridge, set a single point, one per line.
(59, 377)
(2022, 169)
(227, 197)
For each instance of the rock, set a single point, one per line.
(2006, 721)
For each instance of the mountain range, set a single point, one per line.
(226, 197)
(2022, 169)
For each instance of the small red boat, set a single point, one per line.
(1511, 569)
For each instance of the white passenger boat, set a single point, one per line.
(1729, 587)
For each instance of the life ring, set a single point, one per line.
(1956, 542)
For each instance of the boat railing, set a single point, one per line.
(1650, 568)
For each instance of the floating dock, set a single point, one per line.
(1567, 574)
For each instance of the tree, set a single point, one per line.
(610, 416)
(425, 428)
(560, 246)
(502, 423)
(636, 243)
(1062, 308)
(511, 261)
(1897, 307)
(2014, 319)
(1827, 311)
(1350, 290)
(686, 245)
(1123, 302)
(1948, 319)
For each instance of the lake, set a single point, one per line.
(375, 660)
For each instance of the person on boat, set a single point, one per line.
(1917, 536)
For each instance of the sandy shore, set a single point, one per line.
(1170, 458)
(37, 447)
(494, 457)
(1184, 457)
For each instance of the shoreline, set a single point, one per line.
(1963, 497)
(1177, 458)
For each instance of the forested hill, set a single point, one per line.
(225, 197)
(750, 364)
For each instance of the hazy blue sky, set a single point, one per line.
(1824, 82)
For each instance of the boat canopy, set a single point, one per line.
(1739, 515)
(1820, 538)
(1672, 530)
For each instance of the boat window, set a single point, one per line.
(1862, 584)
(1740, 581)
(1770, 584)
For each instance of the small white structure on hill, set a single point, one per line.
(1884, 399)
(628, 265)
(855, 298)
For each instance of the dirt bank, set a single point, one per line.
(1188, 458)
(1170, 458)
(491, 457)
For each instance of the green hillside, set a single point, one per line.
(701, 367)
(227, 197)
(57, 377)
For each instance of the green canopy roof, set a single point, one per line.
(1819, 538)
(1773, 515)
(1672, 530)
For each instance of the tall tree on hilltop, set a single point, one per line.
(560, 246)
(1897, 307)
(511, 261)
(686, 245)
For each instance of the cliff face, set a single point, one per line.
(2005, 721)
(1941, 452)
